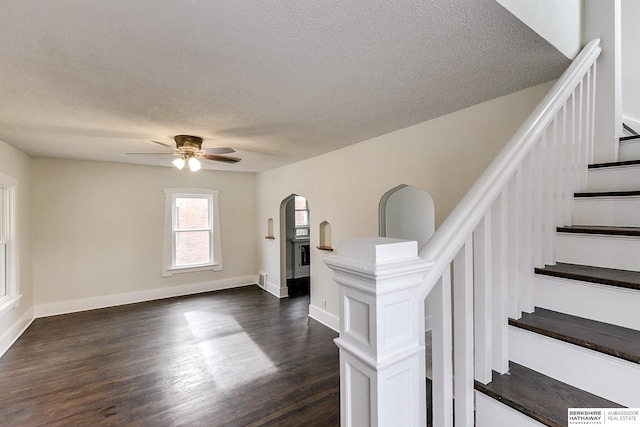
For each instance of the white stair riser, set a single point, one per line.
(619, 252)
(629, 150)
(609, 304)
(620, 178)
(615, 211)
(492, 413)
(605, 376)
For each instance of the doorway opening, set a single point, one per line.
(295, 252)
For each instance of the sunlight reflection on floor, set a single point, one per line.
(216, 334)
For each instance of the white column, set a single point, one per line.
(382, 355)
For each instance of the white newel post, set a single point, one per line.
(382, 353)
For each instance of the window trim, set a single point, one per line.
(168, 263)
(10, 226)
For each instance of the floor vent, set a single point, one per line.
(262, 280)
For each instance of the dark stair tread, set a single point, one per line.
(538, 396)
(600, 229)
(614, 164)
(623, 343)
(629, 138)
(631, 193)
(586, 273)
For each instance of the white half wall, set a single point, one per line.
(443, 156)
(98, 232)
(558, 21)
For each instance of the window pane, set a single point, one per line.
(192, 213)
(300, 203)
(192, 248)
(302, 218)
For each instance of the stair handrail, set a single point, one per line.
(443, 246)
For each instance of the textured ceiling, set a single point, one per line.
(279, 81)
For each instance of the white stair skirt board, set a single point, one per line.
(604, 303)
(492, 413)
(613, 211)
(619, 252)
(629, 150)
(619, 178)
(606, 376)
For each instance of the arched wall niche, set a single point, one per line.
(325, 236)
(407, 212)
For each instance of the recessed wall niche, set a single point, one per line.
(269, 229)
(325, 236)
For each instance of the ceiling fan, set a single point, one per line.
(188, 150)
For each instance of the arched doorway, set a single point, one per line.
(295, 256)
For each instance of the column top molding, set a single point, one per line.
(378, 259)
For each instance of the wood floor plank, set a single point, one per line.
(228, 358)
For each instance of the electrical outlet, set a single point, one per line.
(324, 303)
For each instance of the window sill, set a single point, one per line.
(9, 302)
(177, 270)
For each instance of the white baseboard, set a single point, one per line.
(84, 304)
(324, 317)
(277, 290)
(13, 333)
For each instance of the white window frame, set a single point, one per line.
(170, 220)
(9, 239)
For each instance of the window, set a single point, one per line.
(301, 217)
(192, 231)
(9, 291)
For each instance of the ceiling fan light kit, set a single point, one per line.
(194, 164)
(179, 163)
(189, 149)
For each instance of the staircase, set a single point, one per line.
(580, 347)
(531, 283)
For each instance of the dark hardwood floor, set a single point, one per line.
(237, 357)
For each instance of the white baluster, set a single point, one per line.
(525, 269)
(537, 189)
(500, 313)
(463, 335)
(482, 263)
(512, 246)
(442, 351)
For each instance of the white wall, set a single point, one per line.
(442, 156)
(17, 165)
(98, 233)
(557, 21)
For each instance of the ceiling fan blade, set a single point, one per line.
(165, 145)
(224, 159)
(218, 150)
(158, 154)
